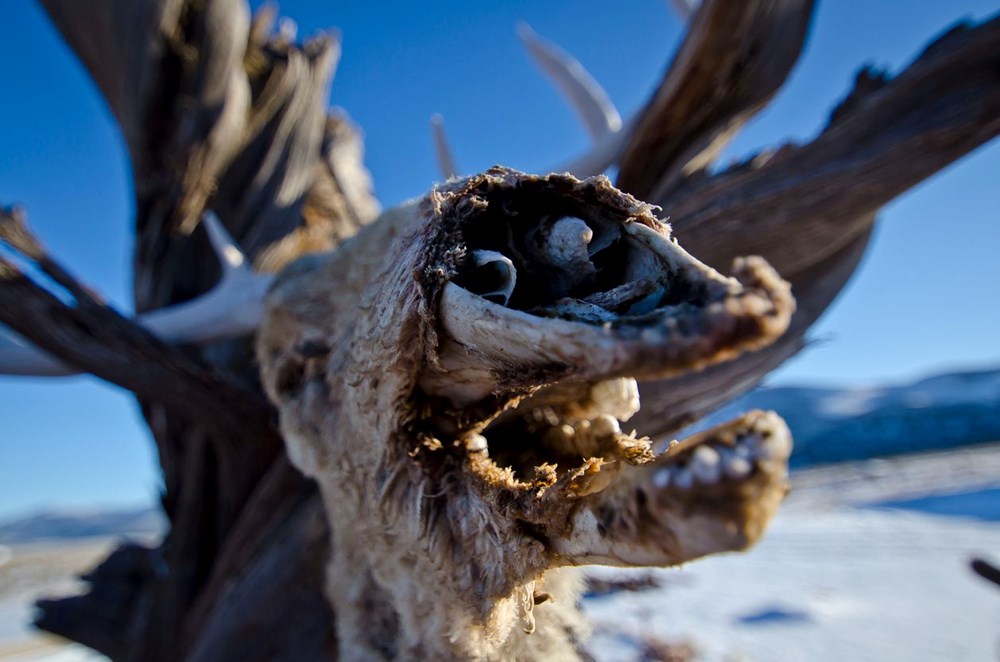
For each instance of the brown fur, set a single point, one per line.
(438, 551)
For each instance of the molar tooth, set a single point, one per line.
(775, 447)
(605, 425)
(476, 443)
(705, 464)
(745, 448)
(737, 467)
(681, 478)
(618, 397)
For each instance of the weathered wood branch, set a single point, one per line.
(804, 203)
(218, 109)
(810, 209)
(734, 58)
(215, 105)
(96, 339)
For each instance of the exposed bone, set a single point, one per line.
(492, 276)
(673, 521)
(622, 298)
(506, 340)
(584, 94)
(124, 43)
(562, 247)
(605, 233)
(231, 308)
(567, 244)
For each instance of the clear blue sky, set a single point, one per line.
(76, 442)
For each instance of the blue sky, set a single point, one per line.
(76, 442)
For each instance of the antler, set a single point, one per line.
(232, 308)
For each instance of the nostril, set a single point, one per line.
(491, 275)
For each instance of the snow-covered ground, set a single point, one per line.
(839, 576)
(31, 571)
(867, 561)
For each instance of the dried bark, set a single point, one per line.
(212, 104)
(810, 209)
(734, 59)
(220, 109)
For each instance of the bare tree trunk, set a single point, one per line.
(220, 111)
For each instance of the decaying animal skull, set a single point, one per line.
(458, 377)
(543, 299)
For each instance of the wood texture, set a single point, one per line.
(810, 209)
(220, 110)
(733, 60)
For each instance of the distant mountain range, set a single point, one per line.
(842, 424)
(829, 425)
(64, 525)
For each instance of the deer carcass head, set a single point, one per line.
(455, 378)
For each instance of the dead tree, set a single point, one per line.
(453, 372)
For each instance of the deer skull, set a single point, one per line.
(459, 401)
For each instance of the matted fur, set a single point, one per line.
(438, 550)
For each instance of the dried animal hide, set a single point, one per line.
(455, 377)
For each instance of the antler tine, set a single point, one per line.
(610, 144)
(584, 94)
(226, 249)
(603, 154)
(446, 160)
(233, 308)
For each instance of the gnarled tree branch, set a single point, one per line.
(734, 58)
(810, 209)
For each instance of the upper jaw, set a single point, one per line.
(559, 292)
(600, 290)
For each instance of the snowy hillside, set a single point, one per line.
(835, 425)
(72, 524)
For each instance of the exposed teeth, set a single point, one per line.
(476, 443)
(736, 467)
(745, 449)
(775, 447)
(705, 464)
(709, 462)
(618, 397)
(605, 425)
